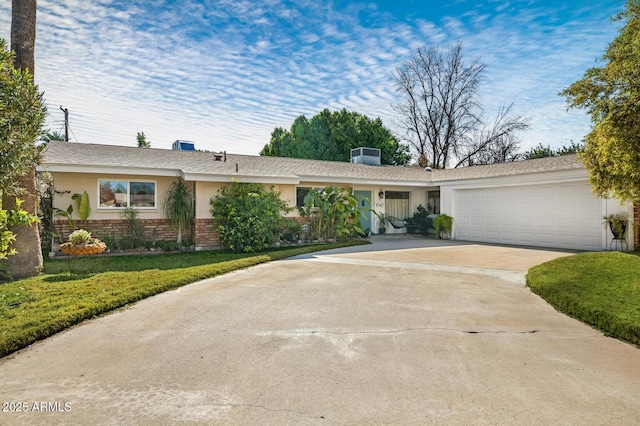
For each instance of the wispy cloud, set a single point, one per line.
(225, 73)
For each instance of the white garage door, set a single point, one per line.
(559, 215)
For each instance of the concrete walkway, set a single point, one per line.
(405, 331)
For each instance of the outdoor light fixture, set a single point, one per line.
(381, 194)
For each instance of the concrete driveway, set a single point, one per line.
(405, 331)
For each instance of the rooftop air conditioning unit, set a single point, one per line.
(370, 156)
(183, 146)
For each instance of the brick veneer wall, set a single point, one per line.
(202, 233)
(204, 236)
(157, 229)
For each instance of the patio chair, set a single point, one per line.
(396, 223)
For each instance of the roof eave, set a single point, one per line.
(107, 170)
(226, 178)
(365, 181)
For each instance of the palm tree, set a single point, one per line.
(28, 260)
(53, 136)
(178, 207)
(142, 140)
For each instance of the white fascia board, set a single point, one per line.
(551, 177)
(267, 180)
(360, 181)
(108, 170)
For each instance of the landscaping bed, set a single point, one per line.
(600, 289)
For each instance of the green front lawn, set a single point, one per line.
(600, 289)
(74, 289)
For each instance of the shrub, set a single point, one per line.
(167, 245)
(291, 231)
(420, 223)
(443, 224)
(248, 217)
(111, 241)
(134, 236)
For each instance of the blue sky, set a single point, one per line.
(225, 73)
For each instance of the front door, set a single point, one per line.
(364, 203)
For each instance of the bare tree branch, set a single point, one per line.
(442, 116)
(494, 142)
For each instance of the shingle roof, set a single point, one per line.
(564, 162)
(112, 157)
(204, 163)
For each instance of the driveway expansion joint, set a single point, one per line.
(381, 332)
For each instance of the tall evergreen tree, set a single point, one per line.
(332, 135)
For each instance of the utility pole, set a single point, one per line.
(66, 123)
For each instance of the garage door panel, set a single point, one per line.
(491, 194)
(507, 208)
(476, 234)
(491, 236)
(590, 241)
(563, 215)
(548, 239)
(491, 221)
(590, 222)
(566, 222)
(547, 222)
(526, 237)
(509, 221)
(527, 221)
(510, 236)
(476, 221)
(508, 194)
(463, 235)
(565, 190)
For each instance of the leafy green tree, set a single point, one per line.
(142, 140)
(334, 212)
(331, 136)
(611, 96)
(541, 151)
(178, 207)
(248, 217)
(22, 114)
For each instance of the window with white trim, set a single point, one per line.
(301, 193)
(115, 193)
(433, 201)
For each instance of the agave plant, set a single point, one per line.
(80, 236)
